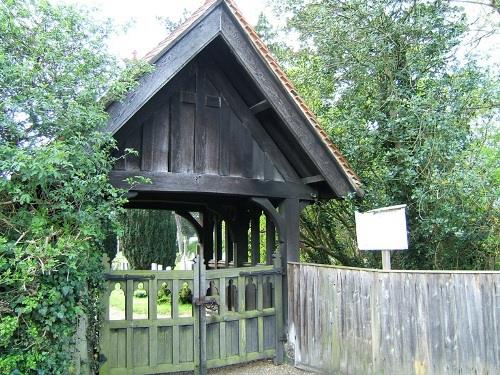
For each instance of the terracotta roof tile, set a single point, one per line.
(154, 54)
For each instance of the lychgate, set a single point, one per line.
(228, 144)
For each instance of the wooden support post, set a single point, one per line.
(218, 241)
(229, 244)
(279, 300)
(200, 329)
(290, 210)
(208, 237)
(270, 240)
(386, 259)
(241, 240)
(255, 226)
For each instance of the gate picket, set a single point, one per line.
(166, 343)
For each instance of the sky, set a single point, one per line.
(145, 30)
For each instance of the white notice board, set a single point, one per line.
(382, 229)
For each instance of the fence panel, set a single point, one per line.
(355, 321)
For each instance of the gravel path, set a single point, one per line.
(254, 368)
(257, 368)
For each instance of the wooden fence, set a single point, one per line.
(354, 321)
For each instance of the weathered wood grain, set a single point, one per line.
(281, 102)
(206, 183)
(352, 321)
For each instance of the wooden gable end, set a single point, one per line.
(198, 124)
(231, 114)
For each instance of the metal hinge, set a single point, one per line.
(210, 302)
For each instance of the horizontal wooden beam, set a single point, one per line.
(212, 184)
(260, 107)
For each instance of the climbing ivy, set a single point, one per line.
(55, 197)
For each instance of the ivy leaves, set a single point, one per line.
(55, 198)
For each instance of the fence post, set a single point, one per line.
(278, 306)
(200, 333)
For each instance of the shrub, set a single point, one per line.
(164, 294)
(185, 294)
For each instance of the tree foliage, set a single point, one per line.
(149, 236)
(418, 126)
(54, 193)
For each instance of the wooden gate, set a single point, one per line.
(169, 321)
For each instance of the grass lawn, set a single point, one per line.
(140, 308)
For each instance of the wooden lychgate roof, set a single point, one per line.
(218, 33)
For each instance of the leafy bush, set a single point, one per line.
(140, 292)
(418, 124)
(185, 294)
(164, 294)
(55, 197)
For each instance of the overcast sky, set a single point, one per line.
(146, 31)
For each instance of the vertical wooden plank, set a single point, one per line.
(240, 148)
(260, 304)
(258, 161)
(268, 167)
(241, 307)
(202, 318)
(279, 306)
(222, 313)
(197, 315)
(153, 329)
(183, 113)
(147, 144)
(134, 141)
(225, 139)
(291, 211)
(246, 150)
(211, 118)
(200, 128)
(175, 315)
(161, 130)
(129, 301)
(236, 145)
(105, 334)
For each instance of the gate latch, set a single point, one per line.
(210, 302)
